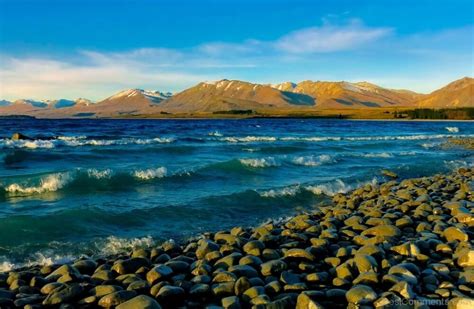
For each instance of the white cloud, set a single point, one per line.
(330, 38)
(39, 78)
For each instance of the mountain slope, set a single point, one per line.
(352, 95)
(127, 102)
(459, 93)
(232, 94)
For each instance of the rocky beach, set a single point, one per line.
(397, 243)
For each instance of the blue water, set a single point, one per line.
(99, 186)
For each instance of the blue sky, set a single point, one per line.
(70, 48)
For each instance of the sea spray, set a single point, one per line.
(151, 173)
(259, 162)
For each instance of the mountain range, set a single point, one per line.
(232, 95)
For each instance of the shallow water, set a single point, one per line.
(99, 186)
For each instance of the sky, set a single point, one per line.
(53, 49)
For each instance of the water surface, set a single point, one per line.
(98, 186)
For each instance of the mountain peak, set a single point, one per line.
(136, 92)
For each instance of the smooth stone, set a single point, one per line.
(383, 230)
(158, 272)
(241, 285)
(231, 302)
(170, 293)
(455, 234)
(140, 301)
(244, 271)
(102, 290)
(361, 295)
(200, 289)
(63, 294)
(461, 303)
(116, 298)
(308, 300)
(466, 258)
(273, 267)
(404, 289)
(223, 289)
(297, 253)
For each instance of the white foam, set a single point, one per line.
(311, 139)
(259, 163)
(375, 155)
(100, 174)
(215, 133)
(247, 139)
(49, 183)
(338, 186)
(77, 141)
(151, 173)
(288, 191)
(37, 259)
(312, 160)
(453, 129)
(115, 245)
(6, 266)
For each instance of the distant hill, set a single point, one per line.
(459, 93)
(351, 95)
(227, 95)
(235, 97)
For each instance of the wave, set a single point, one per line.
(259, 162)
(250, 139)
(151, 173)
(312, 160)
(108, 246)
(36, 259)
(78, 141)
(453, 129)
(337, 186)
(375, 155)
(215, 133)
(328, 189)
(49, 183)
(81, 179)
(283, 192)
(247, 139)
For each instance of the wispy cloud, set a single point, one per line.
(331, 38)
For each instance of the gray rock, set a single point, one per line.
(140, 301)
(231, 302)
(158, 273)
(273, 267)
(116, 298)
(63, 294)
(361, 295)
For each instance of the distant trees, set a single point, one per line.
(464, 113)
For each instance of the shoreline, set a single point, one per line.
(376, 245)
(249, 118)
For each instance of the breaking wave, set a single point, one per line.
(151, 173)
(80, 179)
(77, 141)
(250, 139)
(49, 183)
(259, 163)
(312, 160)
(102, 247)
(453, 129)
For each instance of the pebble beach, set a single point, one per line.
(397, 243)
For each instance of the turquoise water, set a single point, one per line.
(100, 186)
